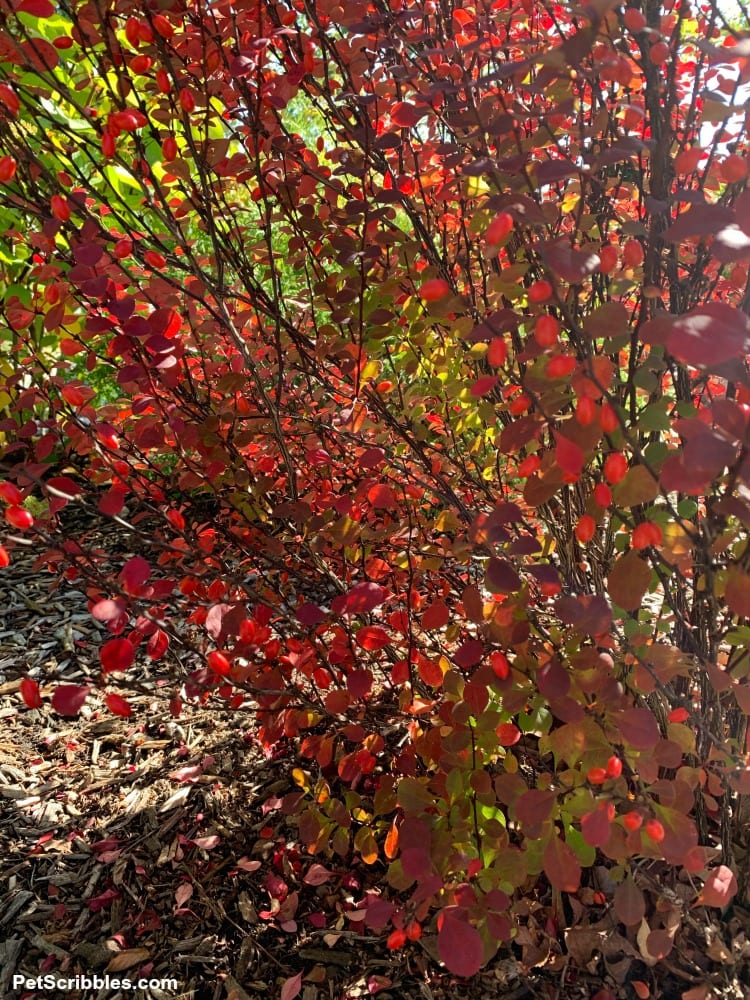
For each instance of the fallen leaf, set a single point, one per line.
(183, 893)
(128, 959)
(317, 875)
(291, 987)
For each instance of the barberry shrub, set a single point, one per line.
(409, 340)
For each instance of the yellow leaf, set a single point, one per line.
(301, 778)
(367, 846)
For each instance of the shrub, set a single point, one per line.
(464, 375)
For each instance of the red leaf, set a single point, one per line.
(459, 944)
(63, 484)
(310, 615)
(595, 827)
(553, 680)
(359, 683)
(134, 573)
(363, 597)
(659, 944)
(535, 806)
(118, 706)
(500, 577)
(707, 336)
(484, 385)
(508, 734)
(561, 865)
(106, 610)
(382, 497)
(158, 644)
(638, 728)
(207, 843)
(436, 616)
(699, 220)
(69, 698)
(569, 456)
(629, 903)
(589, 614)
(112, 502)
(628, 581)
(720, 887)
(737, 592)
(37, 8)
(30, 693)
(317, 875)
(570, 264)
(469, 653)
(680, 835)
(372, 637)
(404, 115)
(117, 654)
(434, 289)
(430, 672)
(291, 987)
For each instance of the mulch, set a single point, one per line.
(154, 847)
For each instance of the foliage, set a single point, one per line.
(458, 350)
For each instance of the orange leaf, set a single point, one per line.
(391, 842)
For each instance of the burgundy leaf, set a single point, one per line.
(68, 699)
(459, 944)
(500, 577)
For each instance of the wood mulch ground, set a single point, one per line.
(151, 847)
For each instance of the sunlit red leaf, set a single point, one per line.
(117, 654)
(373, 637)
(434, 289)
(362, 597)
(707, 336)
(118, 705)
(508, 734)
(568, 454)
(30, 693)
(404, 115)
(135, 573)
(157, 644)
(436, 616)
(484, 385)
(382, 497)
(430, 672)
